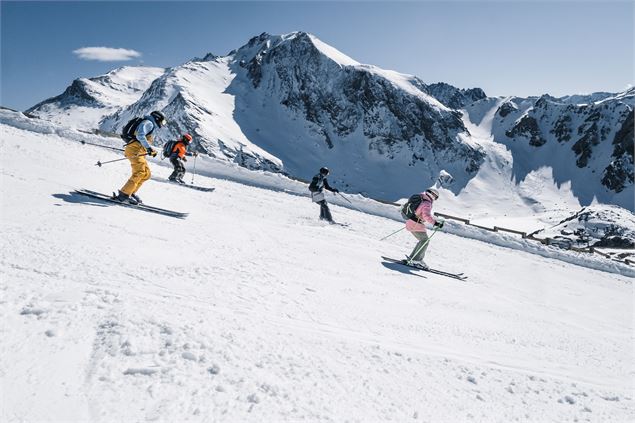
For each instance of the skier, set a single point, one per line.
(135, 151)
(317, 186)
(177, 157)
(423, 213)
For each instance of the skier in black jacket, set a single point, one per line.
(317, 186)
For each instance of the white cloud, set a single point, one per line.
(106, 54)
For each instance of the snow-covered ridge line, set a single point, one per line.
(278, 182)
(20, 121)
(291, 103)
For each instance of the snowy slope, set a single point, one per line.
(88, 100)
(195, 98)
(251, 310)
(586, 148)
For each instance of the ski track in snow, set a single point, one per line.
(252, 310)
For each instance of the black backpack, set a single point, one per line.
(127, 133)
(168, 147)
(408, 210)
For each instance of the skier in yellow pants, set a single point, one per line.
(135, 151)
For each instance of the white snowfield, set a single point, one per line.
(252, 310)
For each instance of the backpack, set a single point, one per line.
(127, 133)
(408, 209)
(168, 147)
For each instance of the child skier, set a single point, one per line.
(423, 213)
(317, 186)
(177, 157)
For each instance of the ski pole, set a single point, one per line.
(341, 195)
(422, 247)
(118, 160)
(194, 169)
(99, 145)
(388, 236)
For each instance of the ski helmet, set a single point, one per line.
(432, 193)
(324, 171)
(186, 138)
(159, 118)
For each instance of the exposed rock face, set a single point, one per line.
(598, 133)
(619, 173)
(340, 100)
(453, 97)
(291, 104)
(527, 127)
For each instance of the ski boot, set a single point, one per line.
(124, 198)
(136, 198)
(415, 263)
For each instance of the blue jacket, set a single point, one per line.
(146, 127)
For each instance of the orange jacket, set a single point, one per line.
(180, 149)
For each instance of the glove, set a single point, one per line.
(184, 159)
(438, 224)
(151, 152)
(195, 154)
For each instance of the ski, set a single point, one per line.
(151, 209)
(195, 187)
(459, 276)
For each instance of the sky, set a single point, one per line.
(510, 47)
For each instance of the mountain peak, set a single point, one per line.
(331, 52)
(260, 45)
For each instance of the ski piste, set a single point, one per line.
(151, 209)
(458, 276)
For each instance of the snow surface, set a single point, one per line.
(252, 310)
(109, 93)
(332, 53)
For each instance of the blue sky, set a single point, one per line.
(507, 48)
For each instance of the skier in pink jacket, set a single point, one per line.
(423, 215)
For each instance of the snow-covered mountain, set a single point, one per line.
(291, 103)
(88, 100)
(587, 144)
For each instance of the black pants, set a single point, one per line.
(179, 169)
(325, 213)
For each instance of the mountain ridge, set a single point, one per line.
(291, 103)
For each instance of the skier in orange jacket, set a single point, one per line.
(177, 157)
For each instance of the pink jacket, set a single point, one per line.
(424, 213)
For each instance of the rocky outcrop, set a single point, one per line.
(527, 127)
(619, 173)
(452, 97)
(342, 100)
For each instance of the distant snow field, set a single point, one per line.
(252, 310)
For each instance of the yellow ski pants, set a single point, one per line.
(140, 169)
